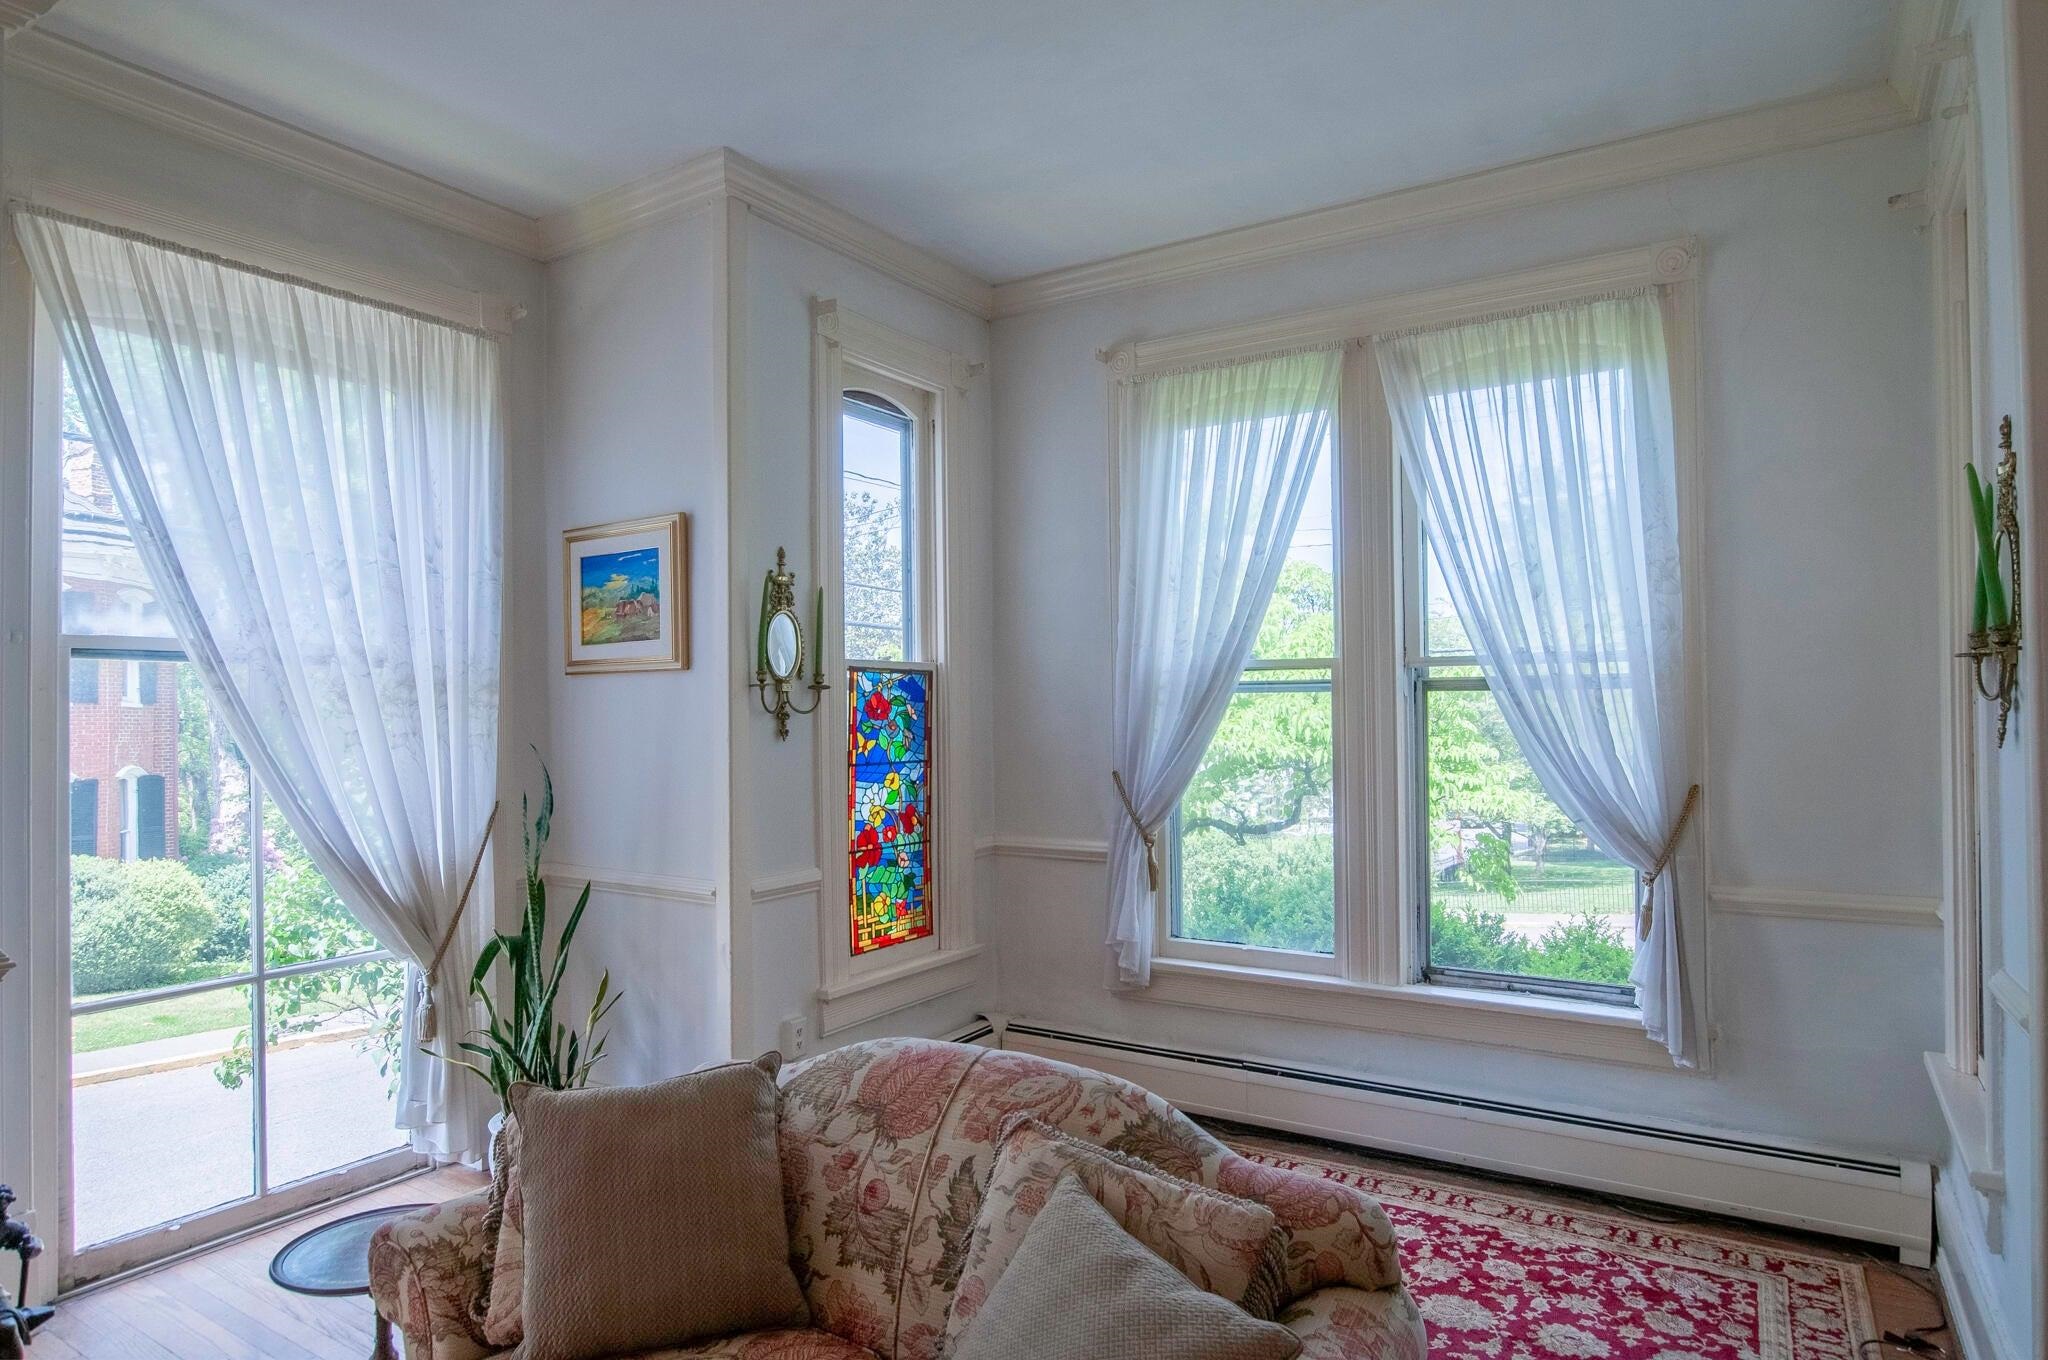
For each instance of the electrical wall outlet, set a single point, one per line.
(794, 1036)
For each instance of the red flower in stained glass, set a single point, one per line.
(908, 815)
(877, 706)
(867, 849)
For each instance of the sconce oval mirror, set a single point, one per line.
(785, 645)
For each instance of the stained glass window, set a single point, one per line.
(888, 783)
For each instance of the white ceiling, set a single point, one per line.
(1011, 136)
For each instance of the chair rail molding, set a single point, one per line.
(698, 892)
(2012, 997)
(786, 887)
(1047, 847)
(1800, 904)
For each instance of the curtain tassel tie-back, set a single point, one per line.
(1151, 842)
(428, 1024)
(1643, 913)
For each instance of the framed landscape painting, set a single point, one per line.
(627, 586)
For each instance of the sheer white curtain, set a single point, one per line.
(1539, 446)
(314, 483)
(1213, 467)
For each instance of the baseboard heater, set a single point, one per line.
(1865, 1198)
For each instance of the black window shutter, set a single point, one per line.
(145, 683)
(85, 816)
(149, 816)
(85, 680)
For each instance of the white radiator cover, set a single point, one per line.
(1814, 1189)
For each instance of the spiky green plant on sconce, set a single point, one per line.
(1994, 640)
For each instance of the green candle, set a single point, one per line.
(761, 643)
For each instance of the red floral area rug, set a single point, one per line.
(1503, 1276)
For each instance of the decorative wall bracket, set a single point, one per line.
(780, 648)
(1995, 617)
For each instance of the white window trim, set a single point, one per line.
(1964, 1073)
(1373, 987)
(855, 990)
(131, 684)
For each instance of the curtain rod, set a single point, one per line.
(27, 206)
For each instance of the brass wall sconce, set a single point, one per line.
(1995, 612)
(779, 648)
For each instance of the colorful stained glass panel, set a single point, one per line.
(889, 877)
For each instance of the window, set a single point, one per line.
(1364, 826)
(1255, 837)
(890, 683)
(878, 505)
(197, 923)
(1512, 893)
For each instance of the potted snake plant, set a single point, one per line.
(524, 1042)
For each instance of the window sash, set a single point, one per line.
(1169, 943)
(1610, 994)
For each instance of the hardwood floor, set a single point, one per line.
(221, 1303)
(1902, 1299)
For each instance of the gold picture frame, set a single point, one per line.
(625, 596)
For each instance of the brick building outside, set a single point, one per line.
(124, 712)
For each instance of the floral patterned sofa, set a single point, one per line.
(886, 1147)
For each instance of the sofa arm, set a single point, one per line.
(428, 1276)
(1342, 1323)
(1333, 1233)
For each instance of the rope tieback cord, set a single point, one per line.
(1151, 843)
(428, 1026)
(1643, 913)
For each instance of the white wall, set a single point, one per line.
(639, 759)
(776, 834)
(48, 134)
(1822, 654)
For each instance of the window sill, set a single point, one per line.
(1538, 1024)
(872, 995)
(1966, 1108)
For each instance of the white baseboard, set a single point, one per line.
(1964, 1267)
(1870, 1200)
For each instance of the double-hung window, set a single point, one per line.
(1510, 892)
(885, 440)
(1254, 843)
(1364, 809)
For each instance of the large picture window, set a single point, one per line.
(234, 1030)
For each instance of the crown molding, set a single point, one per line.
(175, 107)
(1922, 44)
(722, 173)
(696, 183)
(16, 14)
(1632, 160)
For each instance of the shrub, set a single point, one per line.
(1588, 947)
(226, 879)
(1470, 937)
(135, 925)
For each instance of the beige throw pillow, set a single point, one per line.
(1081, 1288)
(1216, 1240)
(653, 1214)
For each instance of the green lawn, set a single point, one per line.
(224, 1009)
(1570, 881)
